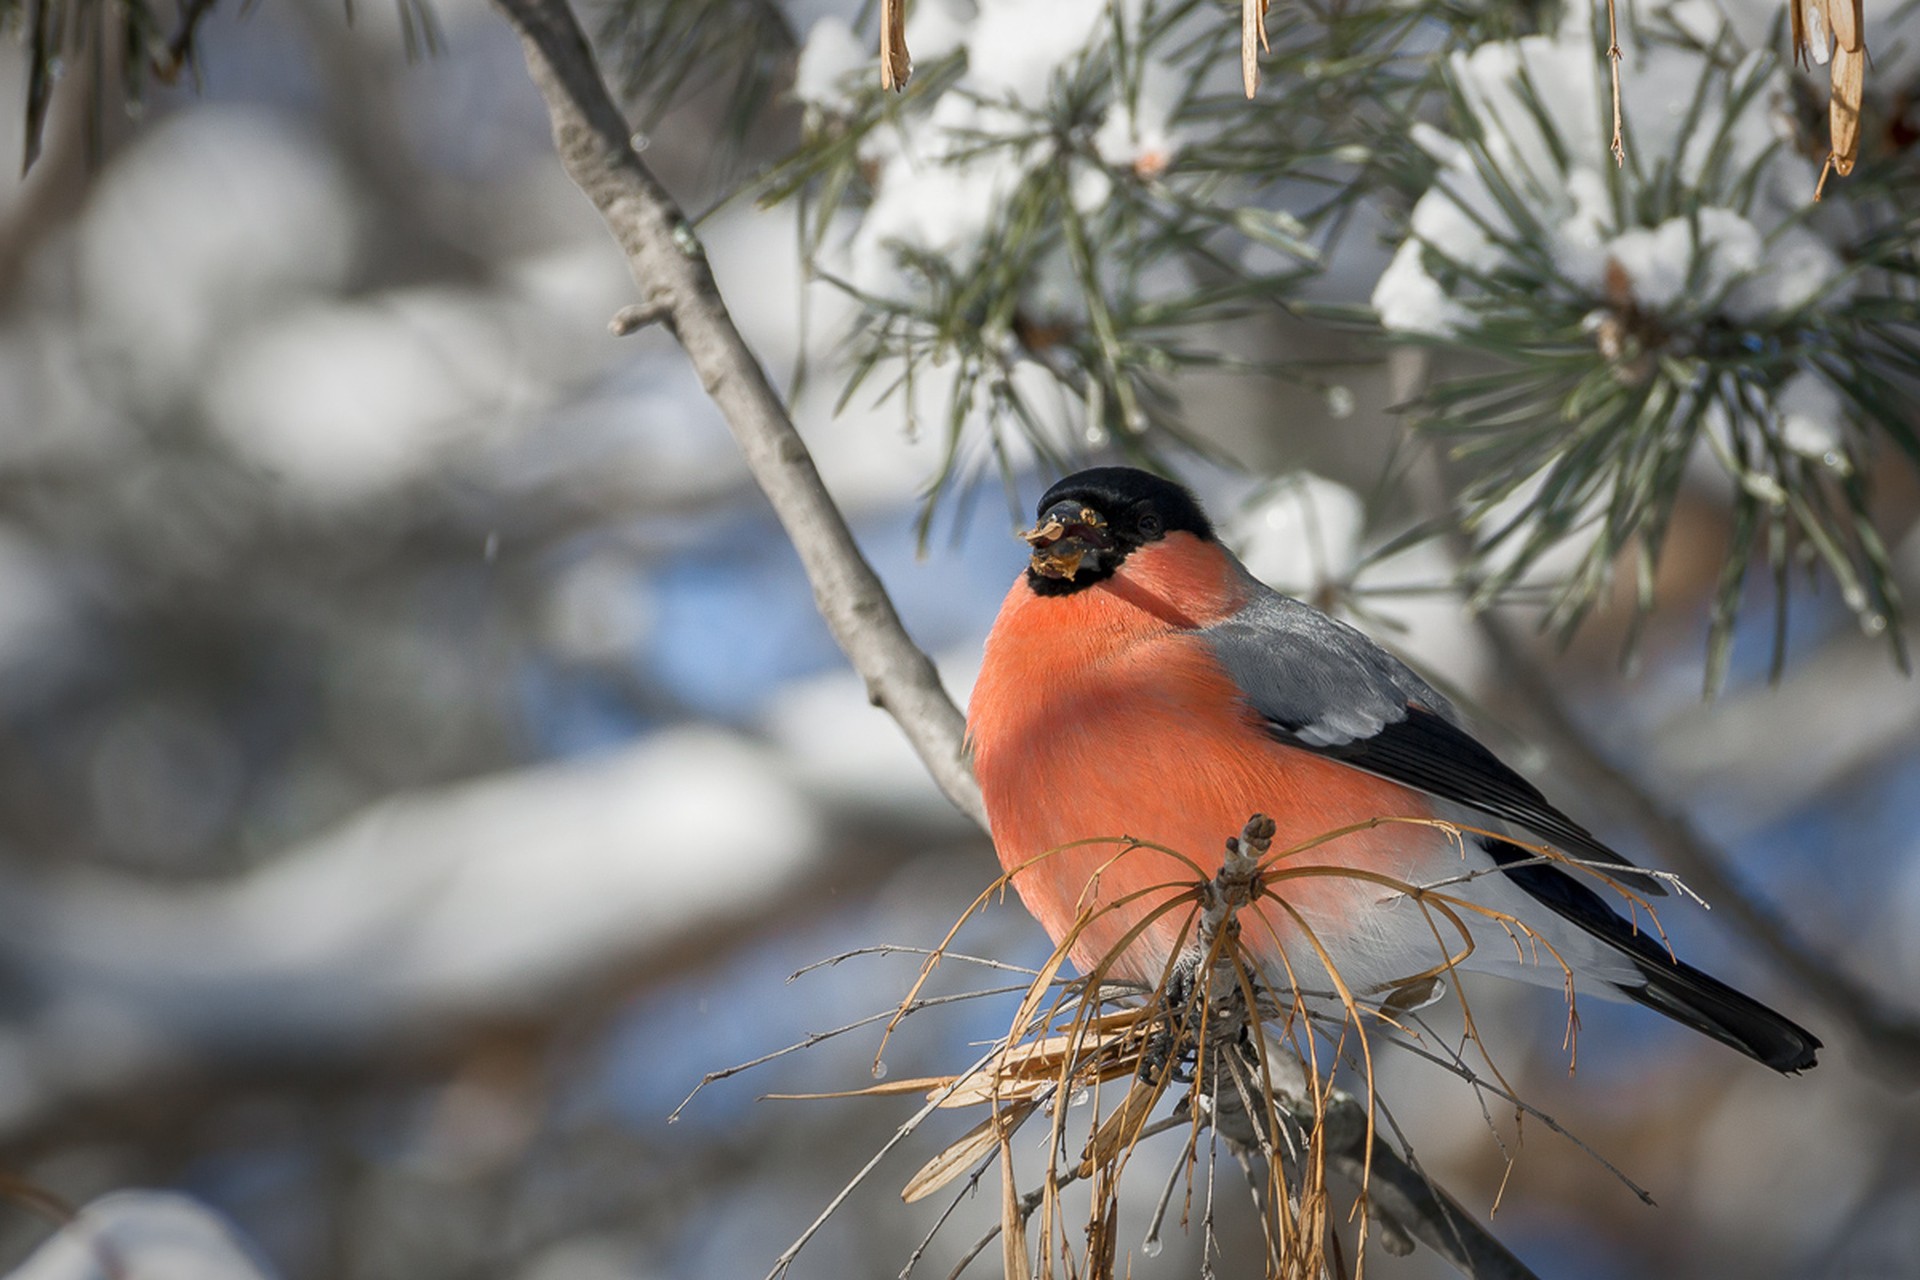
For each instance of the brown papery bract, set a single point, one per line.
(1833, 33)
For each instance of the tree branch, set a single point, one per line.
(1406, 1201)
(670, 267)
(1889, 1035)
(1411, 1201)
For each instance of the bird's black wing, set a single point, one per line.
(1322, 686)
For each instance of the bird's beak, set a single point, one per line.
(1067, 533)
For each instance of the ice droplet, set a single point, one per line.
(1765, 488)
(1340, 401)
(879, 1069)
(1873, 623)
(1078, 1098)
(1151, 1246)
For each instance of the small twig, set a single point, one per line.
(967, 1189)
(1613, 69)
(1241, 1107)
(1151, 1243)
(818, 1037)
(891, 949)
(1458, 1066)
(632, 319)
(1208, 1243)
(1238, 881)
(1031, 1201)
(906, 1130)
(1027, 1206)
(1607, 871)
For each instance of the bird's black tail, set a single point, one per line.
(1670, 986)
(1713, 1008)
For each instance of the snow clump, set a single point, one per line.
(1719, 250)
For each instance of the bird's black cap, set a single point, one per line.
(1116, 492)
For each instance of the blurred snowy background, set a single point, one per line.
(420, 760)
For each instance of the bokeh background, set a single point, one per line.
(420, 760)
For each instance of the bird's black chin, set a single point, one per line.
(1073, 547)
(1095, 565)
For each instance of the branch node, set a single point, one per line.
(632, 319)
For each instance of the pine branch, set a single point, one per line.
(671, 269)
(1890, 1035)
(672, 272)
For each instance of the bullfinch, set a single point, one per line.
(1141, 687)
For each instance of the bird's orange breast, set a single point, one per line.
(1103, 714)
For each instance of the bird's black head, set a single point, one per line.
(1092, 520)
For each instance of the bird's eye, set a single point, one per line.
(1150, 525)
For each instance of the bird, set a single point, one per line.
(1142, 692)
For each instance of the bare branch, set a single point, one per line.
(1891, 1036)
(1619, 147)
(1415, 1203)
(670, 267)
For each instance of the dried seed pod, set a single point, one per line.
(1843, 113)
(1844, 20)
(895, 64)
(1253, 37)
(1836, 28)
